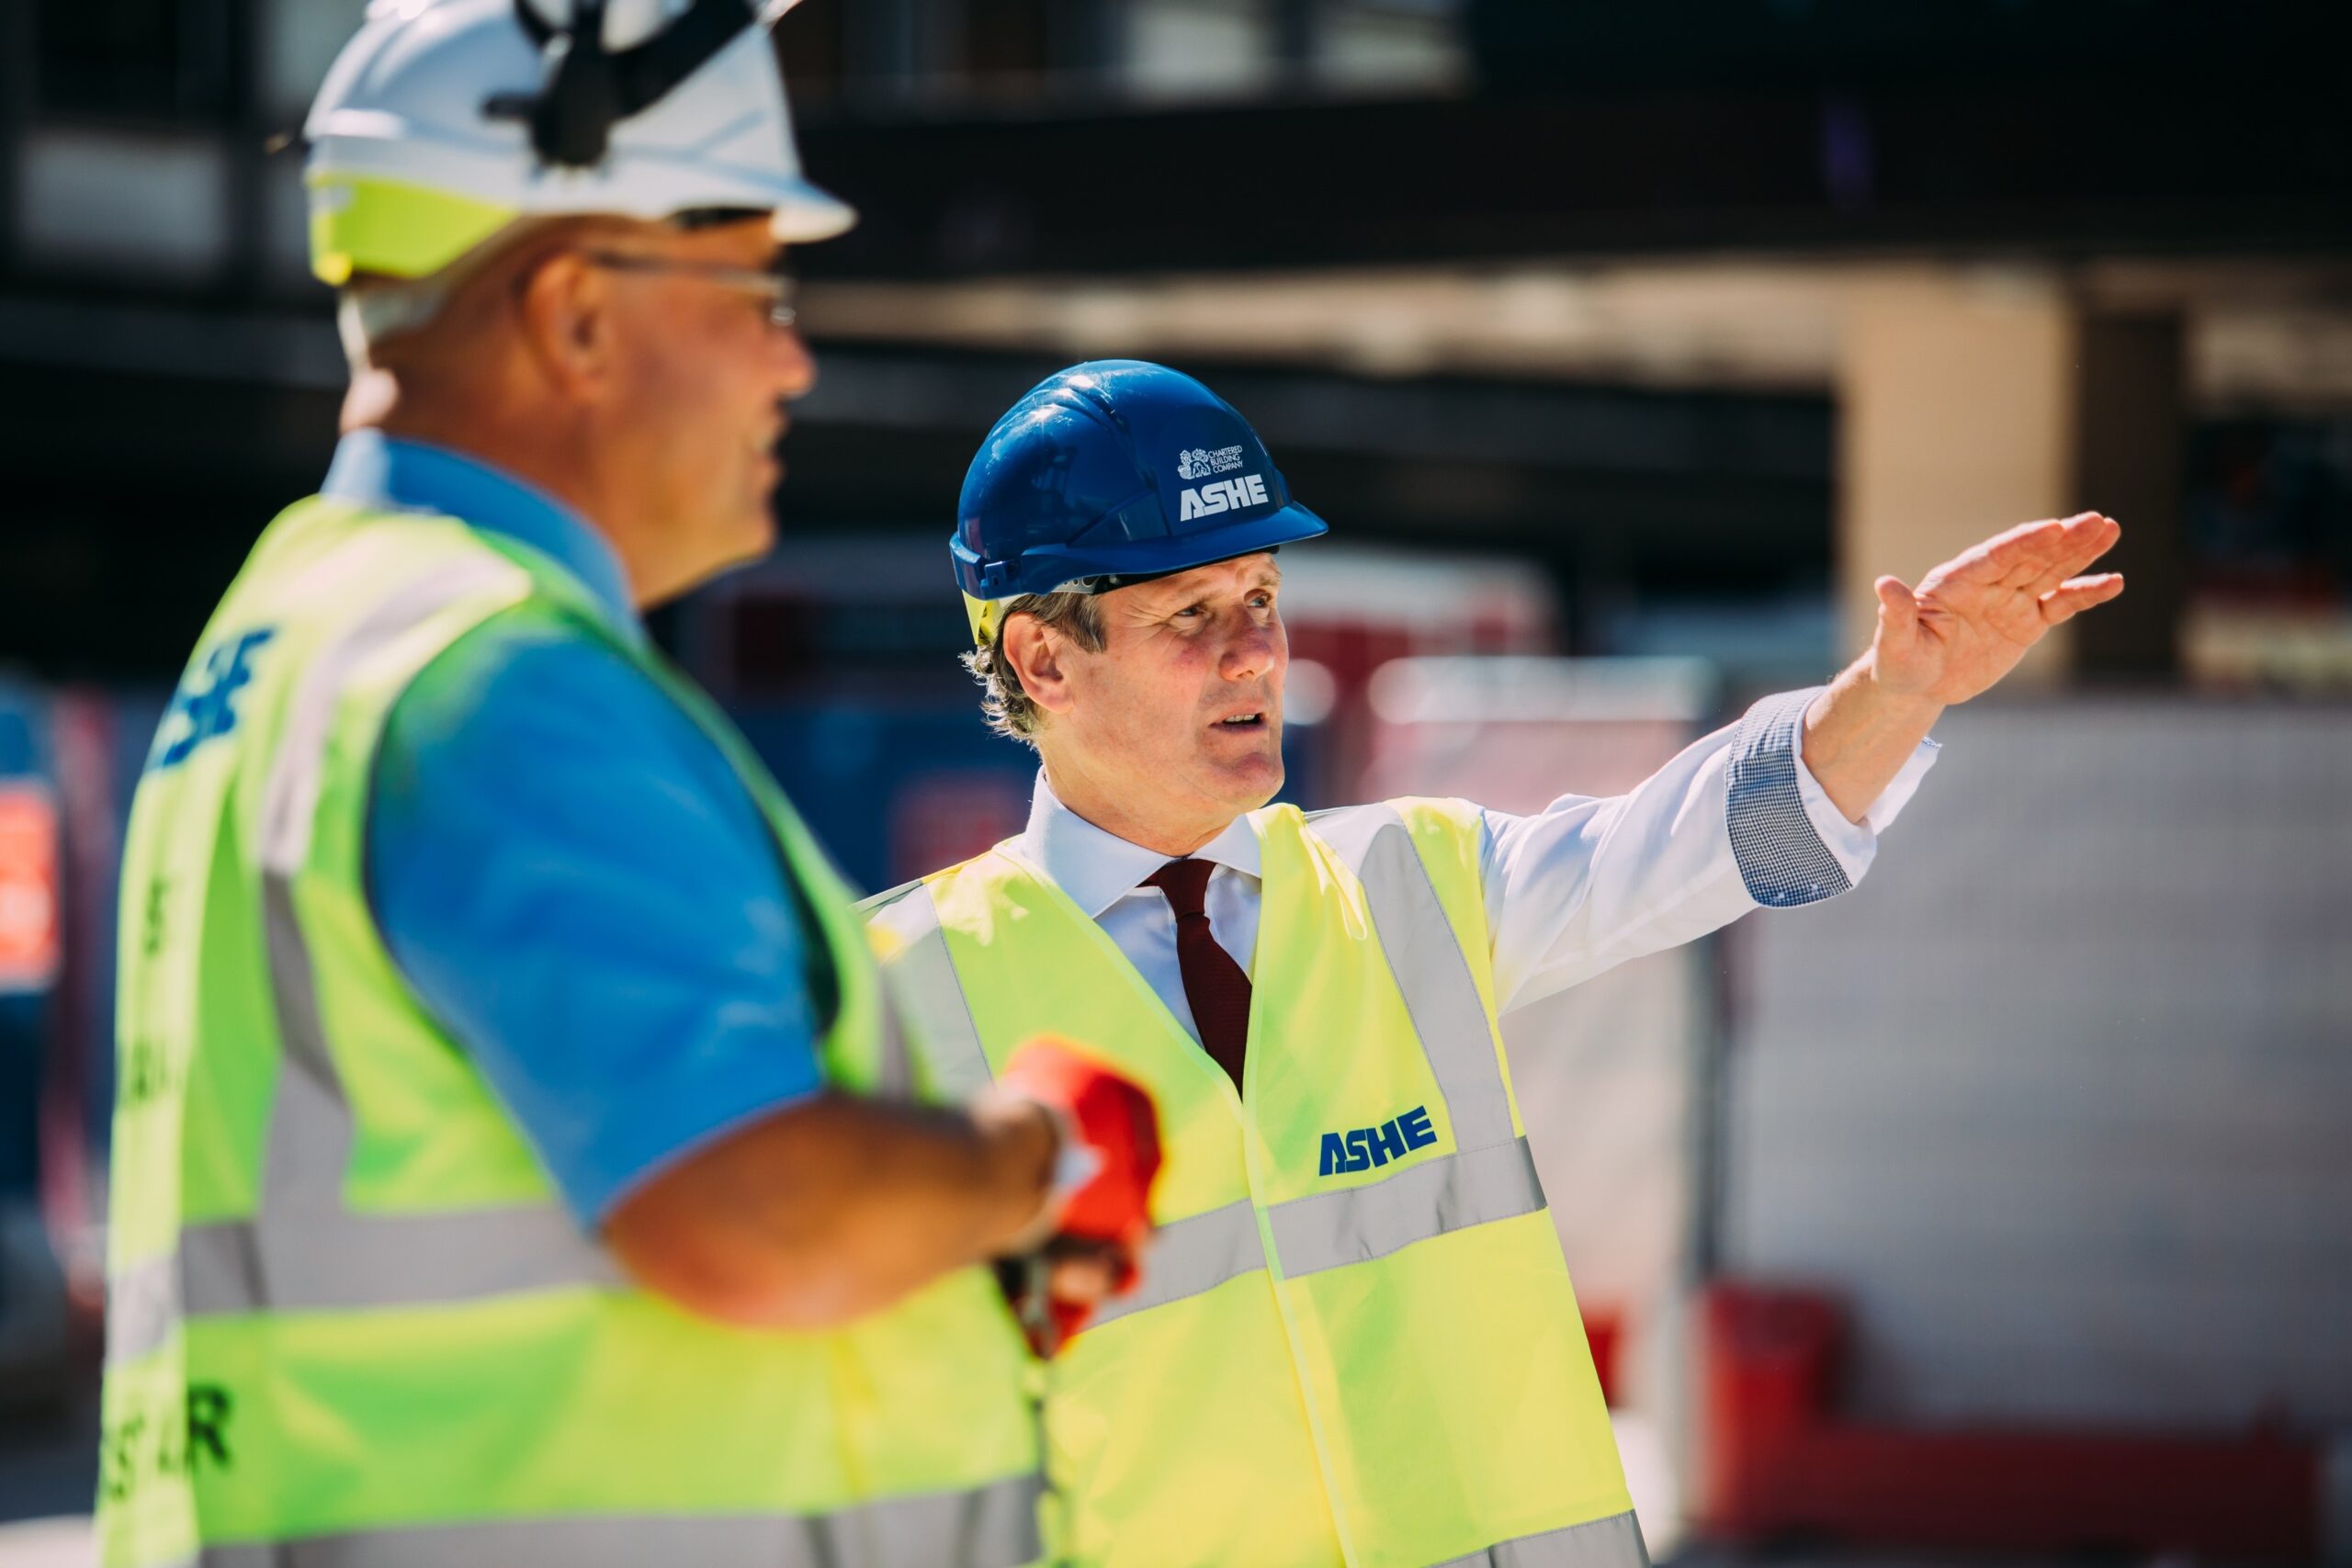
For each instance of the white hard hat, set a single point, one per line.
(443, 122)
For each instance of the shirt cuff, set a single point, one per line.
(1811, 852)
(1787, 854)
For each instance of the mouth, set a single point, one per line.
(1241, 722)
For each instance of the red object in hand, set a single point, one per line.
(1108, 1163)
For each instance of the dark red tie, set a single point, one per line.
(1213, 984)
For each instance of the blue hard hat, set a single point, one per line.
(1108, 473)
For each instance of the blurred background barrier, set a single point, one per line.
(1998, 1206)
(2057, 1140)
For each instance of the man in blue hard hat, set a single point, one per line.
(1359, 1343)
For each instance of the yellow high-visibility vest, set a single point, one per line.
(349, 1320)
(1355, 1341)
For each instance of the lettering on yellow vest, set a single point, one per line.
(134, 1450)
(1364, 1147)
(205, 706)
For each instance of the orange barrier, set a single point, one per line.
(1777, 1460)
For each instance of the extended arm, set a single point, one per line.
(1783, 807)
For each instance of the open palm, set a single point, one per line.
(1970, 620)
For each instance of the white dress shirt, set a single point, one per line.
(1579, 887)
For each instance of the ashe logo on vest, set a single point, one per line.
(205, 705)
(1347, 1152)
(1223, 495)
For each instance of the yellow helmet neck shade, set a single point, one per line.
(391, 228)
(986, 617)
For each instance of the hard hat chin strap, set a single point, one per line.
(586, 89)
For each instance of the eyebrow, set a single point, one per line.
(1269, 575)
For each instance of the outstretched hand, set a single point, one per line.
(1970, 620)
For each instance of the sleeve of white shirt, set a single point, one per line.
(1736, 822)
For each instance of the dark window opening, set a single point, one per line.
(147, 59)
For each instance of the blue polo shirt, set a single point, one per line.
(568, 871)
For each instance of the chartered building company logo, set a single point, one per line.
(1200, 462)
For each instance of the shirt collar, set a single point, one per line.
(1097, 868)
(377, 470)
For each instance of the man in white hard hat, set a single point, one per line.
(515, 1160)
(1358, 1344)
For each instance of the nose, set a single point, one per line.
(793, 368)
(1254, 651)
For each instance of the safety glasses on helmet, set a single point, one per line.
(777, 287)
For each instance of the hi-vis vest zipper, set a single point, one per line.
(1355, 1342)
(349, 1321)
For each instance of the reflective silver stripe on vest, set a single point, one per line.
(142, 1308)
(921, 978)
(308, 1145)
(369, 1260)
(991, 1527)
(1192, 1255)
(1475, 1187)
(1429, 968)
(290, 795)
(895, 1078)
(1613, 1542)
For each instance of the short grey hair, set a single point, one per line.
(371, 310)
(1007, 706)
(373, 307)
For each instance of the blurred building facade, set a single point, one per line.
(1711, 316)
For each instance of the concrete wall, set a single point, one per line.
(2061, 1097)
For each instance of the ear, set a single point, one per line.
(565, 307)
(1039, 657)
